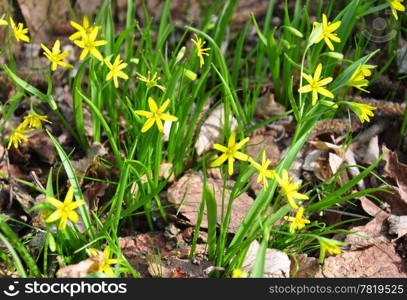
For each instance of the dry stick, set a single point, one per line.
(347, 213)
(35, 178)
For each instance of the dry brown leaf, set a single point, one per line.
(393, 200)
(267, 107)
(186, 194)
(373, 233)
(329, 146)
(396, 171)
(42, 146)
(303, 266)
(377, 261)
(42, 16)
(143, 245)
(397, 225)
(81, 269)
(370, 207)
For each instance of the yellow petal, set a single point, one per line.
(220, 147)
(241, 143)
(55, 202)
(232, 140)
(241, 156)
(147, 125)
(231, 160)
(168, 117)
(54, 216)
(219, 161)
(165, 105)
(325, 92)
(152, 104)
(143, 113)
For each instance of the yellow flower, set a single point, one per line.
(155, 115)
(264, 174)
(297, 222)
(104, 265)
(327, 32)
(18, 136)
(365, 69)
(200, 51)
(289, 189)
(358, 79)
(33, 120)
(56, 56)
(395, 6)
(116, 70)
(332, 246)
(230, 153)
(316, 85)
(89, 44)
(82, 30)
(65, 210)
(20, 33)
(363, 111)
(150, 81)
(3, 22)
(238, 273)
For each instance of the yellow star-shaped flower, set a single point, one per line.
(230, 153)
(88, 43)
(33, 120)
(395, 6)
(363, 111)
(264, 173)
(116, 70)
(150, 81)
(20, 33)
(18, 136)
(156, 115)
(289, 189)
(200, 50)
(82, 30)
(316, 85)
(297, 222)
(358, 79)
(65, 210)
(104, 265)
(332, 246)
(56, 56)
(327, 32)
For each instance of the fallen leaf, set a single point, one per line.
(377, 261)
(370, 207)
(372, 233)
(396, 171)
(397, 225)
(186, 194)
(81, 269)
(42, 15)
(267, 107)
(42, 146)
(303, 266)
